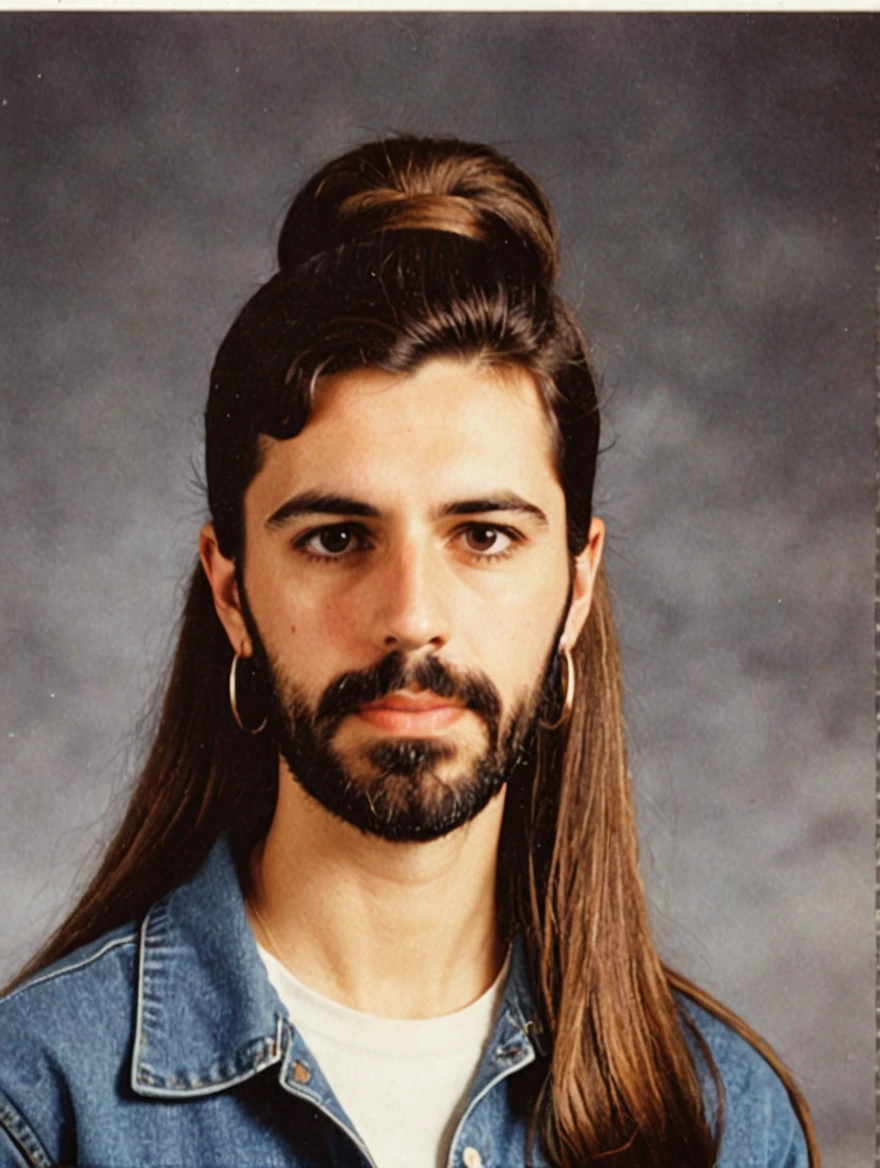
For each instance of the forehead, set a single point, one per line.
(448, 423)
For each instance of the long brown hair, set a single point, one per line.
(398, 251)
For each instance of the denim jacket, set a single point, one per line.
(164, 1045)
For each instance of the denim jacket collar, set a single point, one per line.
(208, 1017)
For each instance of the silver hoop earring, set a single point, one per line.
(568, 686)
(234, 705)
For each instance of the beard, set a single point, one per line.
(400, 789)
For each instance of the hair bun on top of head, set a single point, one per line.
(436, 184)
(399, 251)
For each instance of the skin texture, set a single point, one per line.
(402, 929)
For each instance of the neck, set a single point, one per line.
(401, 930)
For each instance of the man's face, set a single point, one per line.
(406, 575)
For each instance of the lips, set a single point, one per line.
(412, 713)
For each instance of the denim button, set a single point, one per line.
(471, 1158)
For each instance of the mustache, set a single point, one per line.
(352, 690)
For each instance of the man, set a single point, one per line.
(376, 900)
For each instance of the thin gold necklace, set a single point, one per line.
(268, 934)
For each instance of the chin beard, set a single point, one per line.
(399, 789)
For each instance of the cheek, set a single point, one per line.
(311, 633)
(517, 626)
(514, 652)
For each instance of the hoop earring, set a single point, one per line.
(568, 688)
(234, 705)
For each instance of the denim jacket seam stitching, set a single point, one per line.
(22, 1135)
(157, 1090)
(56, 973)
(138, 1059)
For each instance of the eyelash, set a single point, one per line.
(515, 537)
(362, 542)
(361, 536)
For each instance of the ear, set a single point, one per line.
(224, 586)
(585, 568)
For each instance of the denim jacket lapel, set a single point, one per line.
(207, 1016)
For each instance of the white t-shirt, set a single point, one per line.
(402, 1083)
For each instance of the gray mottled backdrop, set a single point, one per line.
(713, 177)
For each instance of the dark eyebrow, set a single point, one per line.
(319, 503)
(322, 503)
(505, 501)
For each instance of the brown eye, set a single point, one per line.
(488, 541)
(334, 539)
(333, 542)
(483, 539)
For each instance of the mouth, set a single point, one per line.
(412, 714)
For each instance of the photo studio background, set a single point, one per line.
(715, 179)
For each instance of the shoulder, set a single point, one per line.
(67, 987)
(69, 1024)
(761, 1128)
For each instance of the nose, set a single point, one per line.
(410, 604)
